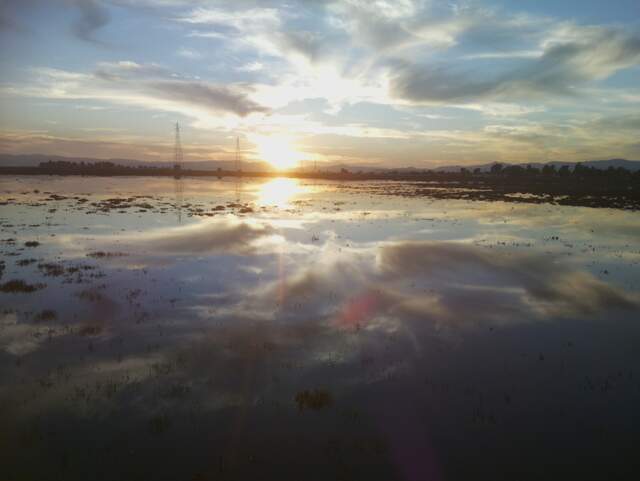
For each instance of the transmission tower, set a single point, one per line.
(238, 160)
(177, 152)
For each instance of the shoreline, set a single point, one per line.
(599, 191)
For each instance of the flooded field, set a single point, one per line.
(199, 329)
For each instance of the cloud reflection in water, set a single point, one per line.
(432, 350)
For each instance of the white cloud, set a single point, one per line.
(190, 54)
(241, 19)
(251, 67)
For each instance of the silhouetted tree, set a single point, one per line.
(564, 171)
(513, 170)
(580, 170)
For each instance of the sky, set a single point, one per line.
(399, 83)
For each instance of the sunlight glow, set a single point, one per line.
(278, 151)
(278, 192)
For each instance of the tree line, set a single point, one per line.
(550, 170)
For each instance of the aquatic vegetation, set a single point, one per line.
(47, 315)
(19, 286)
(25, 262)
(315, 400)
(103, 255)
(51, 270)
(90, 330)
(159, 424)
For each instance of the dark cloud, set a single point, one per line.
(306, 43)
(214, 97)
(557, 71)
(10, 13)
(92, 16)
(378, 32)
(8, 23)
(166, 85)
(417, 83)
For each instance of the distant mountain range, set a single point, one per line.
(32, 160)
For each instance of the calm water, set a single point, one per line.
(208, 330)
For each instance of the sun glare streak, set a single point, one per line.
(278, 151)
(278, 192)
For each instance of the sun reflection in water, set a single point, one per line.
(279, 192)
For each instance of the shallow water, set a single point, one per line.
(204, 329)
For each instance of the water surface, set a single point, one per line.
(204, 329)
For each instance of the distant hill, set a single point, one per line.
(32, 160)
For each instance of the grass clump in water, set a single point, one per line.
(102, 255)
(316, 400)
(20, 286)
(47, 315)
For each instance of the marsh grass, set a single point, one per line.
(15, 286)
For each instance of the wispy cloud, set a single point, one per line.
(146, 85)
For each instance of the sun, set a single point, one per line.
(278, 151)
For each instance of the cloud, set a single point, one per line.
(12, 13)
(92, 16)
(418, 53)
(251, 67)
(147, 85)
(240, 19)
(156, 82)
(215, 97)
(129, 70)
(190, 54)
(8, 23)
(521, 79)
(561, 68)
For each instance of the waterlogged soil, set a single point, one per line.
(596, 194)
(206, 329)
